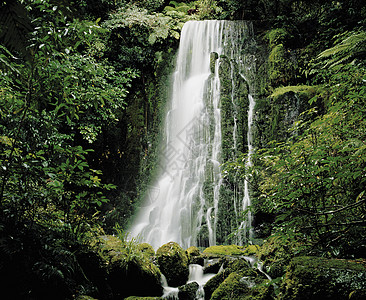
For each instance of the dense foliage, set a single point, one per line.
(311, 179)
(80, 107)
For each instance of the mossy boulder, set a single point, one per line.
(127, 266)
(194, 256)
(188, 291)
(251, 250)
(310, 277)
(221, 250)
(231, 288)
(173, 263)
(276, 254)
(238, 266)
(213, 265)
(147, 249)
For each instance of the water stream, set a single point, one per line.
(183, 202)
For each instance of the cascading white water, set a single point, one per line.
(240, 44)
(182, 204)
(246, 224)
(191, 153)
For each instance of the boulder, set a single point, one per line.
(231, 288)
(173, 263)
(188, 291)
(221, 250)
(128, 268)
(240, 267)
(147, 249)
(309, 277)
(194, 256)
(213, 265)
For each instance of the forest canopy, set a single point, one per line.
(81, 86)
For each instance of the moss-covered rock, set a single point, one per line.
(251, 250)
(221, 250)
(193, 251)
(147, 249)
(276, 254)
(127, 267)
(188, 291)
(173, 263)
(305, 91)
(213, 265)
(238, 266)
(242, 267)
(281, 66)
(320, 278)
(262, 291)
(231, 288)
(214, 283)
(194, 256)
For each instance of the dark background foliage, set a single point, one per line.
(82, 91)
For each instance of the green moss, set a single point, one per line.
(238, 266)
(193, 251)
(126, 266)
(173, 262)
(281, 68)
(277, 36)
(276, 254)
(242, 267)
(225, 250)
(320, 278)
(262, 291)
(251, 250)
(146, 249)
(305, 90)
(194, 256)
(232, 288)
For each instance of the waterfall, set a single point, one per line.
(183, 202)
(245, 225)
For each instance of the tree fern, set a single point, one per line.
(352, 47)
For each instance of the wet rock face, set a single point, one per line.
(320, 278)
(173, 263)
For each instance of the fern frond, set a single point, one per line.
(333, 51)
(352, 47)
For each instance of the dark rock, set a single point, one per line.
(188, 291)
(212, 265)
(194, 256)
